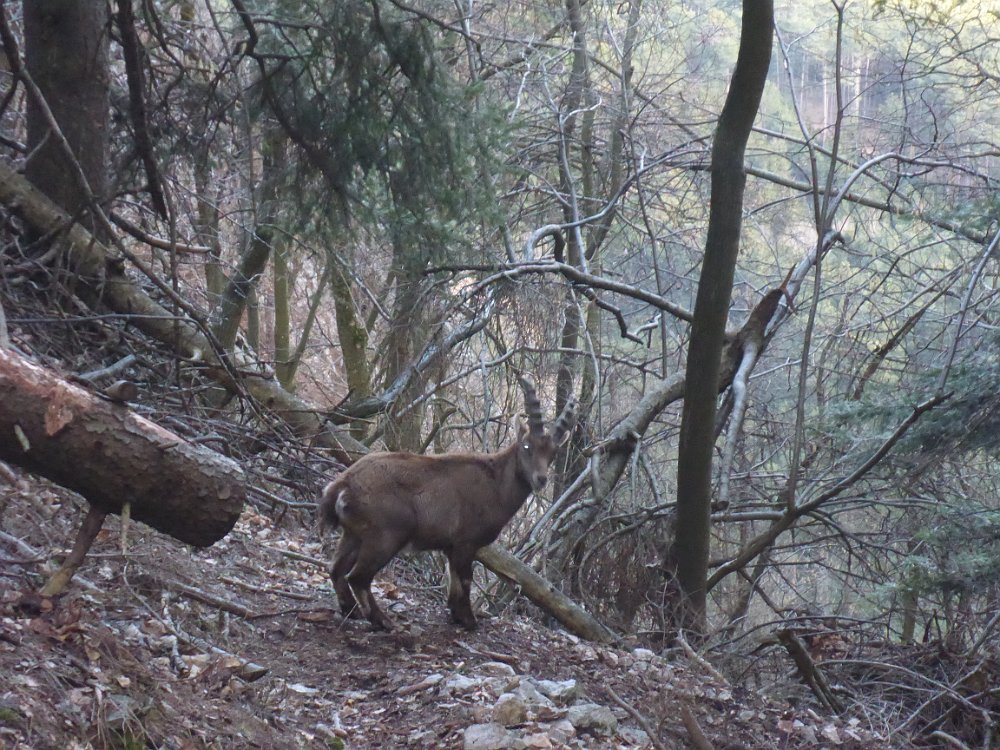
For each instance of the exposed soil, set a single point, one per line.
(125, 658)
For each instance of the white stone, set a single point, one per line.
(593, 718)
(490, 737)
(528, 692)
(460, 684)
(635, 737)
(562, 731)
(509, 710)
(495, 669)
(562, 691)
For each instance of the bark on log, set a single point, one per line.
(111, 456)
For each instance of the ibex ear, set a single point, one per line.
(522, 430)
(563, 439)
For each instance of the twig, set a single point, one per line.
(953, 741)
(700, 660)
(21, 546)
(256, 587)
(318, 562)
(15, 561)
(698, 738)
(639, 718)
(248, 670)
(114, 369)
(425, 684)
(505, 658)
(211, 599)
(811, 674)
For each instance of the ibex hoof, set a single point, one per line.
(466, 621)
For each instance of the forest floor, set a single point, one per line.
(237, 646)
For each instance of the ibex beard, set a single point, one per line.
(456, 503)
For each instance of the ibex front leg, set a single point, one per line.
(460, 587)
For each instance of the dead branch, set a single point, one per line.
(576, 619)
(213, 600)
(639, 718)
(808, 671)
(84, 539)
(698, 738)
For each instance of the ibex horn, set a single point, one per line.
(532, 405)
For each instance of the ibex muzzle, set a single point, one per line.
(456, 502)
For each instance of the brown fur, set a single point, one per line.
(455, 503)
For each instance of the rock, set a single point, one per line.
(495, 669)
(539, 741)
(610, 658)
(643, 654)
(562, 731)
(510, 710)
(563, 691)
(490, 737)
(592, 718)
(635, 737)
(528, 692)
(460, 684)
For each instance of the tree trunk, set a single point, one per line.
(233, 302)
(112, 456)
(697, 438)
(282, 317)
(206, 224)
(66, 54)
(353, 341)
(407, 336)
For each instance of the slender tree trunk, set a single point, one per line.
(233, 301)
(207, 227)
(282, 318)
(697, 438)
(253, 319)
(406, 336)
(353, 341)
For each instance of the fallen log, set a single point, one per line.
(574, 617)
(112, 456)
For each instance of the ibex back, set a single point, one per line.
(457, 503)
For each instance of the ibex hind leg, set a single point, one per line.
(343, 561)
(460, 590)
(371, 558)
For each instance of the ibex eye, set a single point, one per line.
(526, 447)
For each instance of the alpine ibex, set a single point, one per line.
(456, 503)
